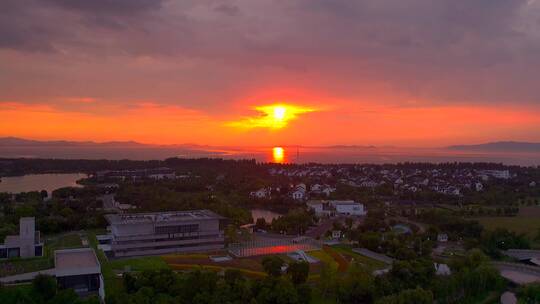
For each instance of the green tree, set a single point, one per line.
(356, 287)
(298, 271)
(45, 286)
(409, 296)
(272, 265)
(530, 294)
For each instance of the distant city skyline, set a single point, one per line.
(416, 73)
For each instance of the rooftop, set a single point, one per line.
(75, 259)
(162, 217)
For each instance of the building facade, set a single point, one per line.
(165, 232)
(25, 245)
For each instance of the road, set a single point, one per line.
(518, 273)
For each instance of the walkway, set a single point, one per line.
(26, 277)
(518, 273)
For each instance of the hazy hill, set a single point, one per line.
(501, 146)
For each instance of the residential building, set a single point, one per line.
(25, 245)
(165, 232)
(299, 192)
(501, 174)
(442, 269)
(442, 237)
(154, 173)
(261, 193)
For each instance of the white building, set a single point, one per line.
(442, 237)
(335, 207)
(442, 269)
(298, 195)
(25, 245)
(299, 192)
(261, 193)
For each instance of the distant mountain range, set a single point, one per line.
(12, 147)
(20, 142)
(500, 146)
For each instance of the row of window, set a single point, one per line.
(126, 251)
(9, 253)
(177, 229)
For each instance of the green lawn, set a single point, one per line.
(139, 264)
(519, 224)
(324, 257)
(62, 241)
(371, 264)
(17, 266)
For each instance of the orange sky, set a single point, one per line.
(325, 125)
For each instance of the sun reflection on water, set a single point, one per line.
(278, 155)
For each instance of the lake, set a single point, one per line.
(278, 154)
(268, 215)
(38, 182)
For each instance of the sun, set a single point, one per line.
(279, 112)
(272, 116)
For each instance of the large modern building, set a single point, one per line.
(25, 245)
(154, 173)
(165, 232)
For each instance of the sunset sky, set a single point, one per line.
(310, 72)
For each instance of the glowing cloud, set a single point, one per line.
(275, 116)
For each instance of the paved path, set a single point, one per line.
(25, 277)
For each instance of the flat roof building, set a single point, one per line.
(79, 269)
(25, 245)
(165, 232)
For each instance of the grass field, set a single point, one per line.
(519, 224)
(139, 264)
(17, 266)
(63, 241)
(324, 258)
(369, 263)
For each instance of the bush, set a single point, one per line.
(45, 286)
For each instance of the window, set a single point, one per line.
(177, 229)
(13, 253)
(39, 250)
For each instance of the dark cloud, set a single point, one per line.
(482, 51)
(108, 7)
(227, 9)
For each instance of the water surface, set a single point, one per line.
(38, 182)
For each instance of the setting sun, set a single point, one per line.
(279, 112)
(274, 116)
